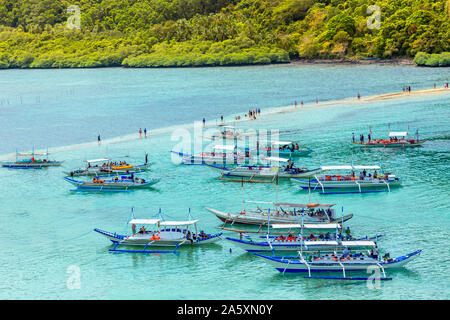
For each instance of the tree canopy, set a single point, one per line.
(165, 33)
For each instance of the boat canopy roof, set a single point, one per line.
(224, 147)
(178, 223)
(398, 134)
(350, 167)
(276, 159)
(305, 226)
(25, 154)
(276, 142)
(144, 221)
(97, 160)
(295, 205)
(228, 127)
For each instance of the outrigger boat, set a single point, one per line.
(107, 167)
(221, 154)
(280, 212)
(312, 263)
(257, 172)
(125, 182)
(31, 162)
(396, 140)
(350, 181)
(162, 234)
(299, 242)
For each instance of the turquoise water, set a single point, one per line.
(48, 229)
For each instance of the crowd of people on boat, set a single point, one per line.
(363, 175)
(291, 147)
(320, 237)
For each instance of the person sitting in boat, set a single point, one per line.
(142, 230)
(347, 232)
(142, 181)
(374, 253)
(345, 253)
(375, 174)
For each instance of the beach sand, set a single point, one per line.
(264, 114)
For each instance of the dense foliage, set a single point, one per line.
(155, 33)
(433, 60)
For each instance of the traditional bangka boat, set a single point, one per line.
(161, 234)
(32, 161)
(280, 212)
(119, 183)
(221, 154)
(257, 172)
(395, 140)
(311, 263)
(290, 242)
(97, 167)
(350, 181)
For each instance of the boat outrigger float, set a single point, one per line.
(163, 234)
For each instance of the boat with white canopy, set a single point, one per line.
(220, 154)
(160, 233)
(311, 262)
(296, 242)
(125, 182)
(350, 181)
(395, 140)
(272, 171)
(262, 212)
(31, 160)
(105, 166)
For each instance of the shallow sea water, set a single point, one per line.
(48, 229)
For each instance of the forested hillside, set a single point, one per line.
(155, 33)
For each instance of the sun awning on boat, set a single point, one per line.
(306, 225)
(178, 223)
(358, 243)
(276, 159)
(275, 142)
(366, 167)
(329, 242)
(346, 167)
(228, 127)
(398, 134)
(97, 160)
(350, 167)
(295, 205)
(32, 154)
(224, 147)
(144, 221)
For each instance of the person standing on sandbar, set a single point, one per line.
(98, 139)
